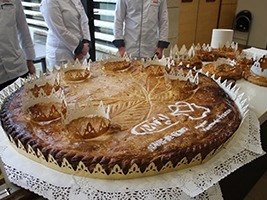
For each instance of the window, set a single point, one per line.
(35, 20)
(104, 11)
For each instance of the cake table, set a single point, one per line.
(257, 97)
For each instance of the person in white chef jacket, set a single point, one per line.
(16, 46)
(68, 36)
(141, 27)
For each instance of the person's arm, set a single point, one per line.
(163, 28)
(85, 27)
(53, 17)
(120, 14)
(85, 31)
(25, 38)
(31, 67)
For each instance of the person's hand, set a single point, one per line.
(159, 52)
(122, 51)
(31, 67)
(85, 49)
(79, 57)
(84, 52)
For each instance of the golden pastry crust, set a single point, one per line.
(116, 65)
(76, 75)
(256, 72)
(151, 121)
(254, 78)
(206, 56)
(226, 52)
(45, 111)
(193, 63)
(154, 70)
(244, 62)
(225, 71)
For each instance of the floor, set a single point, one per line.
(259, 191)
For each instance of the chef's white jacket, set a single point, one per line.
(68, 27)
(141, 26)
(15, 41)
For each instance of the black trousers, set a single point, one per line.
(5, 84)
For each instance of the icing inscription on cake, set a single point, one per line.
(163, 122)
(154, 145)
(167, 138)
(220, 117)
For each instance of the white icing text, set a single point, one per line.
(153, 146)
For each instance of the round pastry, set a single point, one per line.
(207, 56)
(193, 63)
(257, 73)
(126, 125)
(205, 53)
(244, 62)
(223, 68)
(226, 53)
(186, 57)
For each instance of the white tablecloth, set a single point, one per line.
(257, 98)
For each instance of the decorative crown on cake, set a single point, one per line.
(116, 58)
(226, 61)
(45, 107)
(183, 54)
(79, 111)
(87, 122)
(204, 47)
(180, 75)
(259, 67)
(155, 66)
(77, 71)
(155, 61)
(46, 83)
(230, 46)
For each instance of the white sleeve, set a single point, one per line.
(163, 21)
(53, 17)
(83, 20)
(24, 35)
(120, 13)
(85, 26)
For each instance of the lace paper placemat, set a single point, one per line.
(199, 182)
(55, 185)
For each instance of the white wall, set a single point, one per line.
(258, 29)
